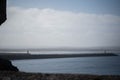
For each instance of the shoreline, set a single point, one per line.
(19, 56)
(10, 75)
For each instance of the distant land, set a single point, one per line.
(62, 49)
(19, 56)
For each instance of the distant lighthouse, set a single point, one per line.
(28, 52)
(105, 51)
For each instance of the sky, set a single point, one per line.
(61, 23)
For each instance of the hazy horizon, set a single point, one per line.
(61, 24)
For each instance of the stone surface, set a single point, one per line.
(8, 75)
(6, 78)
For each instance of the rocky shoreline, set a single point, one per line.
(6, 65)
(11, 75)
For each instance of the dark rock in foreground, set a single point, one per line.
(6, 65)
(41, 76)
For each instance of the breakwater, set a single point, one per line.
(19, 56)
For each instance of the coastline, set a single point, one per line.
(10, 75)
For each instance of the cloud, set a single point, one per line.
(33, 27)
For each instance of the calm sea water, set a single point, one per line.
(81, 65)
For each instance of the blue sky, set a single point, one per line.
(87, 6)
(61, 23)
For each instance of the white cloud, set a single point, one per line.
(35, 27)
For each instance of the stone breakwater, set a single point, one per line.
(20, 56)
(10, 75)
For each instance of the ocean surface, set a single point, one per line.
(81, 65)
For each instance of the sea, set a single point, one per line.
(106, 65)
